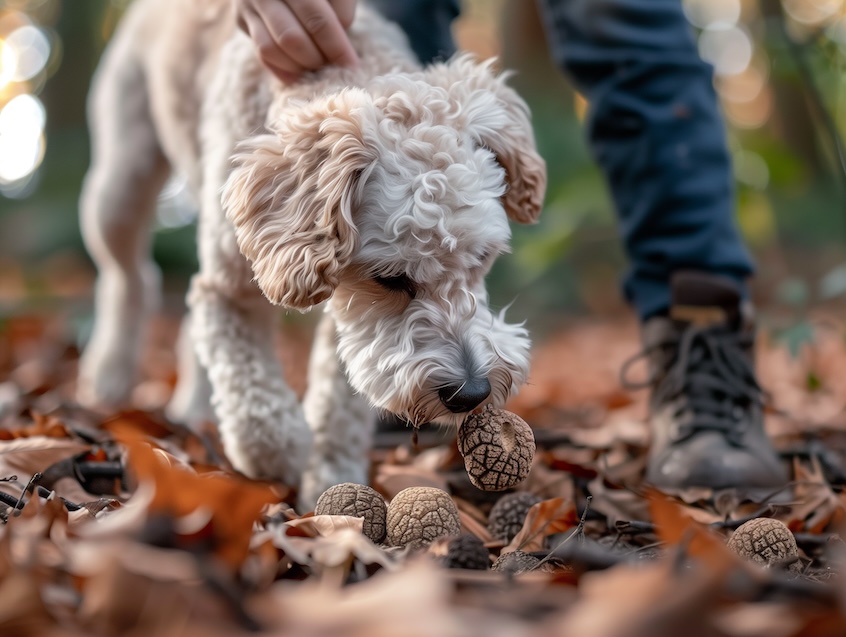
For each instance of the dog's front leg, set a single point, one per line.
(260, 420)
(341, 421)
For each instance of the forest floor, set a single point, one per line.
(125, 524)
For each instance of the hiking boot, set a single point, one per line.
(706, 409)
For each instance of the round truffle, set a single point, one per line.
(356, 500)
(768, 542)
(508, 514)
(419, 515)
(515, 562)
(497, 447)
(463, 551)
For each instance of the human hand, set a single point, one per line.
(296, 36)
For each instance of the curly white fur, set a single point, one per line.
(385, 191)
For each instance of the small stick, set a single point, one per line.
(19, 505)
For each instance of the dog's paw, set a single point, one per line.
(267, 446)
(191, 406)
(105, 381)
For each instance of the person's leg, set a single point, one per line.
(656, 130)
(427, 23)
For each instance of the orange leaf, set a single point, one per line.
(47, 426)
(544, 518)
(139, 421)
(233, 504)
(674, 526)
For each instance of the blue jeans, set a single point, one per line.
(655, 129)
(425, 22)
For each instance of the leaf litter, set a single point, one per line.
(125, 524)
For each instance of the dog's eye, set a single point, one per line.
(399, 283)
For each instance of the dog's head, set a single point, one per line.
(394, 202)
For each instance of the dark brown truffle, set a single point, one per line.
(463, 551)
(515, 562)
(497, 447)
(508, 514)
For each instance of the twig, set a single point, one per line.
(578, 533)
(35, 478)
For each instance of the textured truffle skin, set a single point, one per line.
(497, 447)
(357, 500)
(515, 562)
(767, 542)
(419, 515)
(508, 514)
(466, 551)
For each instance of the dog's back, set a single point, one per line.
(167, 49)
(171, 49)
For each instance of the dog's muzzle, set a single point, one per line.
(466, 396)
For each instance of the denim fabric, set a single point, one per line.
(656, 131)
(427, 23)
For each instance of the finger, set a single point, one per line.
(290, 35)
(345, 10)
(324, 26)
(269, 52)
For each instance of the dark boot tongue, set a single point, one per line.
(704, 299)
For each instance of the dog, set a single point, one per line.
(381, 193)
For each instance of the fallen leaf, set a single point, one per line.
(543, 519)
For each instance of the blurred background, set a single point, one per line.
(780, 72)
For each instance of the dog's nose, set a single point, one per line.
(465, 396)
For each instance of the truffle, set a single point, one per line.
(356, 500)
(497, 447)
(419, 515)
(515, 562)
(508, 514)
(768, 542)
(462, 551)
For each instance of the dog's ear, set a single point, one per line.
(497, 116)
(291, 194)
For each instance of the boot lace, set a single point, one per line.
(708, 377)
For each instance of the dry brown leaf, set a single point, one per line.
(25, 457)
(118, 600)
(234, 504)
(140, 422)
(617, 503)
(543, 519)
(674, 525)
(817, 505)
(645, 600)
(322, 525)
(346, 544)
(391, 479)
(46, 426)
(22, 611)
(469, 524)
(413, 602)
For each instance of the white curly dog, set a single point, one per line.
(384, 191)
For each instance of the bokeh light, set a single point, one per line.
(31, 49)
(728, 47)
(21, 139)
(703, 14)
(812, 12)
(25, 57)
(8, 64)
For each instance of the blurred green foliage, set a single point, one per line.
(791, 195)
